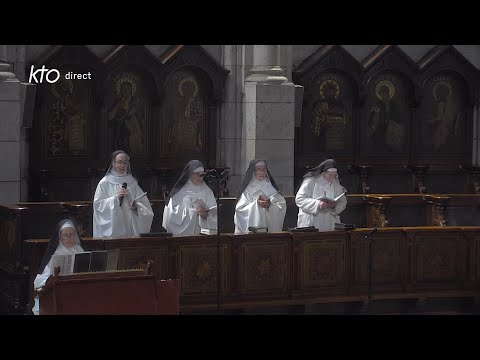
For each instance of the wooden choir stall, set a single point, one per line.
(127, 292)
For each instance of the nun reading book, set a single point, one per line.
(259, 202)
(321, 198)
(191, 205)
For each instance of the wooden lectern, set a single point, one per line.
(122, 292)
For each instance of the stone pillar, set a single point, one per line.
(266, 65)
(476, 135)
(269, 117)
(10, 125)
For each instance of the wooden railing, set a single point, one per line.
(22, 221)
(283, 269)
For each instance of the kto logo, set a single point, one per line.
(44, 71)
(52, 75)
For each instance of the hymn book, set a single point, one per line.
(259, 193)
(199, 203)
(326, 199)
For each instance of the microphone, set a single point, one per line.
(124, 186)
(225, 172)
(210, 172)
(373, 231)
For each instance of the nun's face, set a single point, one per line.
(196, 178)
(67, 237)
(329, 175)
(260, 172)
(121, 163)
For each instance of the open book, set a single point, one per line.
(259, 193)
(86, 261)
(198, 203)
(330, 200)
(140, 196)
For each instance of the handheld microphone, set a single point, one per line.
(210, 172)
(373, 231)
(120, 199)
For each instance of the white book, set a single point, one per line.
(140, 196)
(198, 203)
(330, 200)
(261, 193)
(205, 231)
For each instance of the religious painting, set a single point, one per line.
(443, 115)
(330, 115)
(67, 108)
(387, 114)
(185, 113)
(126, 114)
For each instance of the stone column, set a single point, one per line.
(476, 135)
(269, 117)
(266, 65)
(10, 125)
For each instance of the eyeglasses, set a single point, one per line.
(68, 236)
(126, 162)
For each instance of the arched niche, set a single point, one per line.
(390, 90)
(62, 139)
(192, 85)
(329, 121)
(445, 115)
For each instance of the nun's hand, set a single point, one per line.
(264, 203)
(202, 212)
(323, 205)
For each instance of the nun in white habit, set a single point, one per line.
(191, 204)
(64, 240)
(321, 181)
(119, 211)
(259, 202)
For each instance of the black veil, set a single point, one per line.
(53, 243)
(317, 170)
(184, 176)
(108, 166)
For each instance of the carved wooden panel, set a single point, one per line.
(327, 121)
(476, 263)
(437, 260)
(8, 242)
(67, 115)
(444, 120)
(320, 262)
(185, 114)
(127, 112)
(138, 259)
(197, 269)
(263, 266)
(386, 117)
(324, 263)
(328, 127)
(388, 249)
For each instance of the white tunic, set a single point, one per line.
(309, 213)
(181, 217)
(109, 220)
(249, 213)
